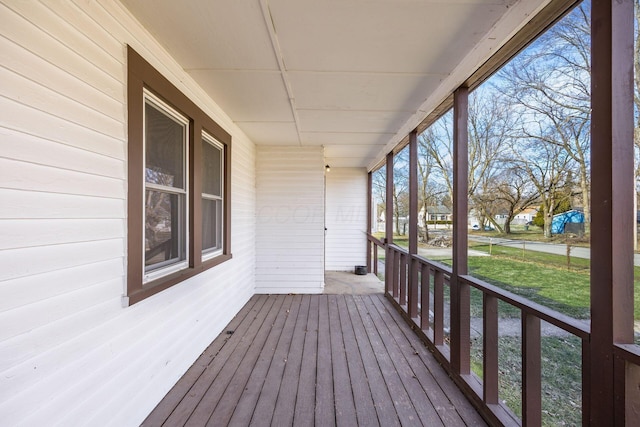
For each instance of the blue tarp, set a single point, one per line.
(560, 220)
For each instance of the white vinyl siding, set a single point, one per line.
(346, 218)
(290, 220)
(70, 354)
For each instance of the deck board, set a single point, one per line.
(345, 409)
(325, 402)
(404, 408)
(306, 381)
(316, 360)
(186, 383)
(363, 401)
(286, 398)
(246, 349)
(265, 380)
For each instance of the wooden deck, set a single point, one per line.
(321, 360)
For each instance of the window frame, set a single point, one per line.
(143, 77)
(169, 266)
(209, 139)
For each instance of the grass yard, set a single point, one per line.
(561, 377)
(561, 290)
(540, 277)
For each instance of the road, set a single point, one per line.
(551, 248)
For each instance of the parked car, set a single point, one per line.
(475, 227)
(488, 228)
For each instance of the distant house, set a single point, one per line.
(525, 216)
(435, 213)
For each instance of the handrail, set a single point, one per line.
(434, 264)
(374, 239)
(628, 352)
(562, 321)
(407, 284)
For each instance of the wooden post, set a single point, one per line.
(369, 219)
(413, 224)
(612, 189)
(388, 224)
(460, 292)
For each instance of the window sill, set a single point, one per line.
(158, 285)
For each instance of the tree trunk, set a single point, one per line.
(585, 200)
(507, 224)
(548, 218)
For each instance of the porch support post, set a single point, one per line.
(413, 224)
(369, 219)
(388, 222)
(460, 301)
(611, 203)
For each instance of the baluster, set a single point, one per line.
(396, 273)
(531, 366)
(490, 348)
(438, 308)
(413, 287)
(425, 279)
(403, 279)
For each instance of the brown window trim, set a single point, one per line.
(142, 75)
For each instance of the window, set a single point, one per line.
(178, 195)
(212, 198)
(165, 195)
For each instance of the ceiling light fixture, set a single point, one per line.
(327, 168)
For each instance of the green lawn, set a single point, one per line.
(541, 277)
(546, 279)
(561, 377)
(561, 290)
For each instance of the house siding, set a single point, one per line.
(290, 220)
(346, 218)
(70, 354)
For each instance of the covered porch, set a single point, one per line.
(316, 360)
(271, 117)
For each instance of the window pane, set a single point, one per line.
(211, 224)
(211, 169)
(164, 229)
(164, 148)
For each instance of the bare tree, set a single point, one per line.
(400, 188)
(490, 124)
(551, 81)
(515, 192)
(430, 183)
(547, 167)
(379, 191)
(436, 148)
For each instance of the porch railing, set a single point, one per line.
(418, 287)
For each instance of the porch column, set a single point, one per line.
(388, 222)
(612, 207)
(413, 224)
(369, 218)
(460, 303)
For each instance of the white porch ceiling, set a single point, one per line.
(354, 76)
